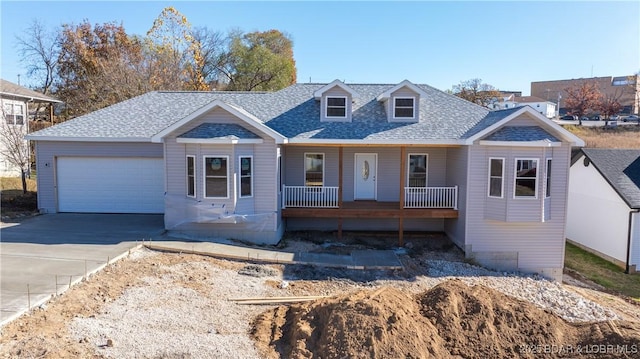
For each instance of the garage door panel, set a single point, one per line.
(110, 185)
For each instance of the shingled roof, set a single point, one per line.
(9, 89)
(621, 168)
(292, 112)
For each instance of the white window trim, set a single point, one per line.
(204, 175)
(502, 178)
(240, 176)
(393, 110)
(426, 179)
(515, 176)
(547, 177)
(326, 107)
(195, 192)
(13, 111)
(304, 168)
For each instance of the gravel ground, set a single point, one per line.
(185, 311)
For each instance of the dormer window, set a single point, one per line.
(404, 107)
(336, 107)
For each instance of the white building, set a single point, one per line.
(603, 213)
(14, 111)
(546, 108)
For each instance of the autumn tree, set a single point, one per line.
(98, 66)
(39, 49)
(582, 99)
(260, 61)
(608, 106)
(476, 91)
(175, 54)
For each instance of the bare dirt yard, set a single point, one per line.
(163, 305)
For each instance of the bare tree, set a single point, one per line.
(39, 49)
(14, 147)
(476, 91)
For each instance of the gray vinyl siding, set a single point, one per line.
(265, 191)
(48, 151)
(457, 160)
(536, 245)
(336, 91)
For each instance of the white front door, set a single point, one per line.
(365, 175)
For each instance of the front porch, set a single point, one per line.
(325, 202)
(391, 183)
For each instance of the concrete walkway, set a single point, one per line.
(359, 259)
(45, 255)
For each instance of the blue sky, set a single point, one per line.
(507, 44)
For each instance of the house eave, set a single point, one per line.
(542, 143)
(238, 112)
(354, 142)
(220, 141)
(574, 140)
(88, 139)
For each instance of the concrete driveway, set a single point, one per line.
(41, 256)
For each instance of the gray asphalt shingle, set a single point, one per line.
(621, 168)
(293, 112)
(521, 133)
(219, 130)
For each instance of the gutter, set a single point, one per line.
(626, 271)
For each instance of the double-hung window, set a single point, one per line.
(496, 177)
(13, 113)
(548, 184)
(191, 176)
(314, 169)
(336, 107)
(246, 176)
(526, 178)
(404, 107)
(216, 176)
(417, 170)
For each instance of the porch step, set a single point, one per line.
(359, 259)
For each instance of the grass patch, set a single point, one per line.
(602, 272)
(13, 201)
(599, 137)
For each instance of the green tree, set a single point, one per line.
(259, 61)
(474, 90)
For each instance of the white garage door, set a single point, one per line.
(110, 185)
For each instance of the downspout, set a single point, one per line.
(629, 239)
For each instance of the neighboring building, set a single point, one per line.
(626, 88)
(604, 204)
(322, 157)
(545, 108)
(14, 102)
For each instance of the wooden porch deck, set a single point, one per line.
(370, 209)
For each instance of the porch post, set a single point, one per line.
(340, 190)
(340, 177)
(403, 166)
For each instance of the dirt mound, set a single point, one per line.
(451, 319)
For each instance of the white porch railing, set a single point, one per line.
(309, 196)
(431, 197)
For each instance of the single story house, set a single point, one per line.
(333, 156)
(604, 205)
(14, 109)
